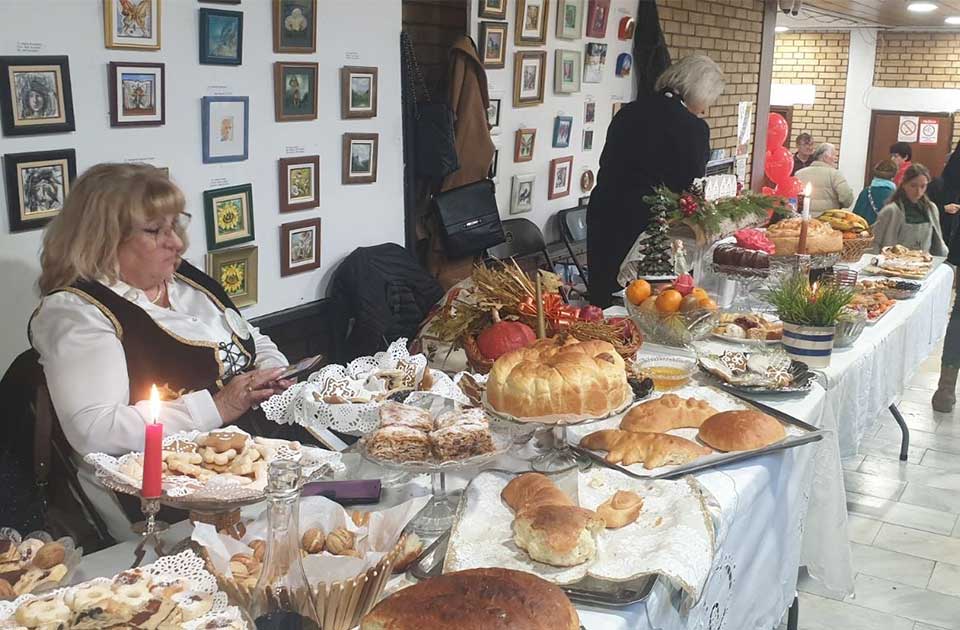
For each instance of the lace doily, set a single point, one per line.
(219, 490)
(187, 566)
(711, 611)
(361, 379)
(673, 536)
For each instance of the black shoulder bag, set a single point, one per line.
(469, 219)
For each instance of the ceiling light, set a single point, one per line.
(953, 20)
(921, 7)
(784, 29)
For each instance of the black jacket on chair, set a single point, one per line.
(651, 141)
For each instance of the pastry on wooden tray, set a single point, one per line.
(741, 430)
(665, 413)
(653, 450)
(621, 509)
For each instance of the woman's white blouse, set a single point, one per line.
(86, 369)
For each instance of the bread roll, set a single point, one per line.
(477, 599)
(652, 449)
(531, 490)
(821, 238)
(558, 535)
(665, 413)
(741, 430)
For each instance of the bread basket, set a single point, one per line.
(855, 248)
(478, 363)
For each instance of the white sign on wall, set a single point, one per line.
(907, 131)
(929, 130)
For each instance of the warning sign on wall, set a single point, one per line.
(929, 130)
(907, 131)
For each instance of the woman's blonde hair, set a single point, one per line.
(101, 211)
(697, 79)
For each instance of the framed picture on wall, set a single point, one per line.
(295, 26)
(137, 94)
(494, 165)
(587, 180)
(569, 19)
(493, 44)
(493, 9)
(493, 116)
(229, 215)
(593, 63)
(624, 65)
(560, 172)
(627, 27)
(524, 143)
(295, 90)
(521, 193)
(358, 92)
(133, 24)
(528, 77)
(221, 37)
(617, 105)
(225, 122)
(598, 12)
(530, 26)
(588, 139)
(360, 158)
(299, 183)
(589, 112)
(562, 129)
(236, 271)
(299, 246)
(566, 76)
(36, 94)
(37, 185)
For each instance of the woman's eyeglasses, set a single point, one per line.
(179, 224)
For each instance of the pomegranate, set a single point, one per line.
(591, 313)
(502, 337)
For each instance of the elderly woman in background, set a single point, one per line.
(121, 311)
(910, 218)
(830, 187)
(660, 138)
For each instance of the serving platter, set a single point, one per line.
(802, 379)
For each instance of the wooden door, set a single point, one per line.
(884, 131)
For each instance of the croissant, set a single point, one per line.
(652, 449)
(621, 509)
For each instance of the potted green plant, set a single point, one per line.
(809, 314)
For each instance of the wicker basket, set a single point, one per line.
(854, 248)
(478, 363)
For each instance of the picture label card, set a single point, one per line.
(30, 47)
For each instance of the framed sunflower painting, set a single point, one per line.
(229, 215)
(236, 271)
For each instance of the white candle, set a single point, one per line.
(807, 191)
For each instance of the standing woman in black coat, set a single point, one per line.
(658, 139)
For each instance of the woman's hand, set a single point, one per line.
(244, 391)
(952, 208)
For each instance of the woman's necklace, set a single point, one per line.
(160, 291)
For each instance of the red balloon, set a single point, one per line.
(779, 164)
(777, 130)
(791, 187)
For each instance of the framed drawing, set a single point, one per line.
(133, 24)
(627, 27)
(229, 215)
(593, 64)
(137, 94)
(299, 246)
(531, 23)
(494, 165)
(236, 271)
(562, 130)
(528, 77)
(589, 112)
(358, 92)
(295, 90)
(624, 64)
(493, 9)
(521, 193)
(493, 44)
(225, 122)
(560, 171)
(299, 183)
(588, 139)
(569, 19)
(566, 76)
(493, 116)
(37, 185)
(360, 158)
(221, 37)
(295, 26)
(36, 95)
(523, 145)
(598, 11)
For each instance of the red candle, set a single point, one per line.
(153, 451)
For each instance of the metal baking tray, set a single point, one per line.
(587, 591)
(812, 434)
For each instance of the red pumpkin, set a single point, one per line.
(503, 337)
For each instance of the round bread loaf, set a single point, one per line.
(821, 238)
(583, 378)
(477, 599)
(740, 430)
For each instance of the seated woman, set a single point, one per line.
(121, 311)
(910, 218)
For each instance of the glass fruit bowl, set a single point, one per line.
(673, 329)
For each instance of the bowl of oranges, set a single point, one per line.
(674, 314)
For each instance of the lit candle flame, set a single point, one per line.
(154, 403)
(808, 189)
(813, 291)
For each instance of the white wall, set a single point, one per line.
(350, 32)
(611, 88)
(855, 133)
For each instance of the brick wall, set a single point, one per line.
(730, 32)
(820, 59)
(917, 60)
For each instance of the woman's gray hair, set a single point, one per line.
(824, 148)
(697, 79)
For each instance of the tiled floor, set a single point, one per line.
(903, 527)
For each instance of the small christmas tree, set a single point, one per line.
(656, 251)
